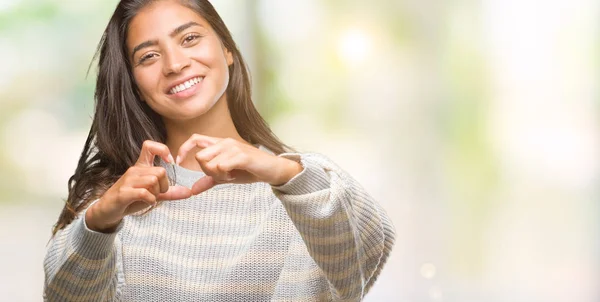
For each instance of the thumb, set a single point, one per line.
(203, 184)
(175, 193)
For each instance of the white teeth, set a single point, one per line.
(186, 85)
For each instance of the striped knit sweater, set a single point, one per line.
(319, 237)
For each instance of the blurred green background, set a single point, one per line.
(474, 123)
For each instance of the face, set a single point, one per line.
(179, 63)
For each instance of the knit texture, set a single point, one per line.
(319, 237)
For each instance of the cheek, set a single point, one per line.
(144, 82)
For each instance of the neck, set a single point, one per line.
(216, 122)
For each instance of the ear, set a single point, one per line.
(228, 56)
(140, 96)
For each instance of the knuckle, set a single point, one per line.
(236, 149)
(121, 191)
(125, 182)
(161, 172)
(143, 194)
(211, 166)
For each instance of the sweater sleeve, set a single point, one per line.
(82, 265)
(346, 232)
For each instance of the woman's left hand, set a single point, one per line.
(230, 161)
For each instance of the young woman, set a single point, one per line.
(236, 216)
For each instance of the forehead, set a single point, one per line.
(158, 19)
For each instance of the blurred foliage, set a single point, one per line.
(269, 97)
(54, 53)
(470, 164)
(23, 13)
(429, 149)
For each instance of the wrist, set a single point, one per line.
(290, 170)
(94, 223)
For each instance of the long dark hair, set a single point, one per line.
(122, 122)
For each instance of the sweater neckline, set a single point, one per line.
(187, 177)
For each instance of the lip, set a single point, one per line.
(186, 93)
(181, 82)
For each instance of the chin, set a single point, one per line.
(186, 114)
(186, 110)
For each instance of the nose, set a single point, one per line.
(175, 61)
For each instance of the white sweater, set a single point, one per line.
(319, 237)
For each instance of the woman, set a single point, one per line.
(242, 219)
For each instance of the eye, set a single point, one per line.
(190, 38)
(145, 57)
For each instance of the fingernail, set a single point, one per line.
(178, 160)
(171, 159)
(228, 177)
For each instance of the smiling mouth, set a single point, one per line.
(186, 85)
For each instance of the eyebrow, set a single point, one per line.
(173, 33)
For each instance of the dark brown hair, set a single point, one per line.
(122, 122)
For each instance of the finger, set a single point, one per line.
(210, 152)
(237, 161)
(208, 155)
(211, 169)
(203, 184)
(150, 149)
(149, 182)
(131, 195)
(163, 180)
(196, 140)
(217, 164)
(175, 193)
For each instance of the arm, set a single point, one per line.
(346, 232)
(82, 264)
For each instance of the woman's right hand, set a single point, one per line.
(142, 185)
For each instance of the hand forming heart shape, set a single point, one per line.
(225, 160)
